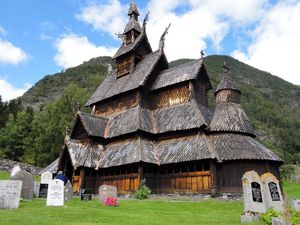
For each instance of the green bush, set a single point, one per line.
(267, 217)
(143, 191)
(287, 171)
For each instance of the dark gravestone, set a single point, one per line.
(86, 194)
(43, 190)
(256, 192)
(274, 191)
(27, 183)
(68, 192)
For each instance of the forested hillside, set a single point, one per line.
(35, 135)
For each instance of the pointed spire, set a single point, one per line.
(133, 23)
(133, 9)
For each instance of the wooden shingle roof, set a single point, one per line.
(93, 125)
(184, 72)
(230, 117)
(227, 83)
(236, 147)
(112, 86)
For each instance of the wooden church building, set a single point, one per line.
(152, 122)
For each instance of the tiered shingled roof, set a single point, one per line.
(197, 131)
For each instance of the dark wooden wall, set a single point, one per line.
(230, 173)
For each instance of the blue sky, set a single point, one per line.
(40, 37)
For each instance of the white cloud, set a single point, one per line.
(11, 54)
(8, 91)
(276, 46)
(110, 17)
(74, 50)
(203, 20)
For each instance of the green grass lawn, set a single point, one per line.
(133, 212)
(292, 189)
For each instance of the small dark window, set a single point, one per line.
(198, 166)
(176, 169)
(184, 168)
(206, 166)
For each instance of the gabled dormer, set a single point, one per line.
(135, 44)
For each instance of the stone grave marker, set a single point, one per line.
(296, 205)
(43, 191)
(55, 196)
(10, 193)
(14, 170)
(253, 196)
(272, 192)
(36, 189)
(27, 183)
(86, 194)
(46, 177)
(68, 192)
(107, 191)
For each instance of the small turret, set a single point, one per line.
(227, 90)
(229, 116)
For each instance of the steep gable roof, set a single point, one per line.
(112, 86)
(178, 74)
(93, 126)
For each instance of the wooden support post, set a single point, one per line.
(140, 173)
(82, 176)
(214, 178)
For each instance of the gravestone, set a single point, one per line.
(43, 191)
(46, 177)
(14, 170)
(253, 196)
(68, 192)
(107, 191)
(27, 183)
(10, 193)
(296, 205)
(36, 189)
(55, 196)
(272, 192)
(86, 194)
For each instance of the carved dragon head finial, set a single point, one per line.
(162, 38)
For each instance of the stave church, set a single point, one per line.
(152, 122)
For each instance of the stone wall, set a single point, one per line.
(7, 165)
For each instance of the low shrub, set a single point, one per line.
(267, 217)
(143, 191)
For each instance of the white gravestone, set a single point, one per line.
(10, 193)
(254, 200)
(36, 189)
(55, 196)
(14, 170)
(106, 191)
(46, 177)
(272, 192)
(296, 205)
(68, 191)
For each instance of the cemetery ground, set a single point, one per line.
(161, 211)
